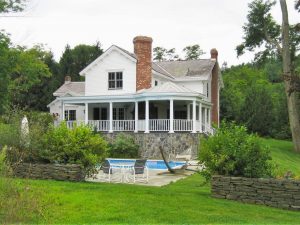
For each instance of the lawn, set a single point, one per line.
(184, 202)
(284, 156)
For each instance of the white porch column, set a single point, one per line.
(171, 116)
(188, 111)
(110, 117)
(62, 110)
(136, 117)
(205, 119)
(86, 115)
(194, 116)
(147, 116)
(200, 117)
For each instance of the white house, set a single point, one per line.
(126, 91)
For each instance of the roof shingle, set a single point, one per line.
(77, 88)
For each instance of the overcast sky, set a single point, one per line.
(171, 24)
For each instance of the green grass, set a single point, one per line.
(183, 202)
(284, 156)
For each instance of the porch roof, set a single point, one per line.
(139, 96)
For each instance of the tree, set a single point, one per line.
(76, 59)
(258, 110)
(27, 72)
(193, 52)
(159, 54)
(163, 54)
(41, 94)
(11, 5)
(261, 29)
(297, 5)
(243, 99)
(21, 71)
(4, 69)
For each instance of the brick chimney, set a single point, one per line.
(68, 79)
(215, 88)
(143, 51)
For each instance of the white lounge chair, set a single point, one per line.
(186, 155)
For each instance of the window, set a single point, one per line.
(121, 114)
(155, 83)
(70, 115)
(118, 113)
(114, 113)
(115, 80)
(207, 89)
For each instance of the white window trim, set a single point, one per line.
(114, 71)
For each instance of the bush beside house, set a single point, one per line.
(79, 145)
(123, 146)
(48, 144)
(234, 152)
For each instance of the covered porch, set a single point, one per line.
(162, 114)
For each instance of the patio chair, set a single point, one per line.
(140, 170)
(108, 170)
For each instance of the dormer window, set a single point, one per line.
(115, 80)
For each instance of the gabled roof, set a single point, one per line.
(107, 52)
(74, 88)
(168, 87)
(188, 68)
(127, 52)
(160, 70)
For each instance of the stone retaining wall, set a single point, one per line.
(70, 172)
(271, 192)
(173, 144)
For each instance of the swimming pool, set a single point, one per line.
(151, 164)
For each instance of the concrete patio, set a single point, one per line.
(157, 178)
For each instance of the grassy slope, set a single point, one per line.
(185, 201)
(284, 156)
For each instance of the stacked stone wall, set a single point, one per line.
(176, 143)
(68, 172)
(283, 194)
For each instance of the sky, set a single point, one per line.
(171, 24)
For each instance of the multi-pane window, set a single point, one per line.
(70, 115)
(118, 113)
(114, 113)
(121, 114)
(115, 80)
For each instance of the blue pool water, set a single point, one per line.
(151, 164)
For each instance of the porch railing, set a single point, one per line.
(72, 123)
(123, 125)
(159, 125)
(99, 125)
(183, 125)
(154, 125)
